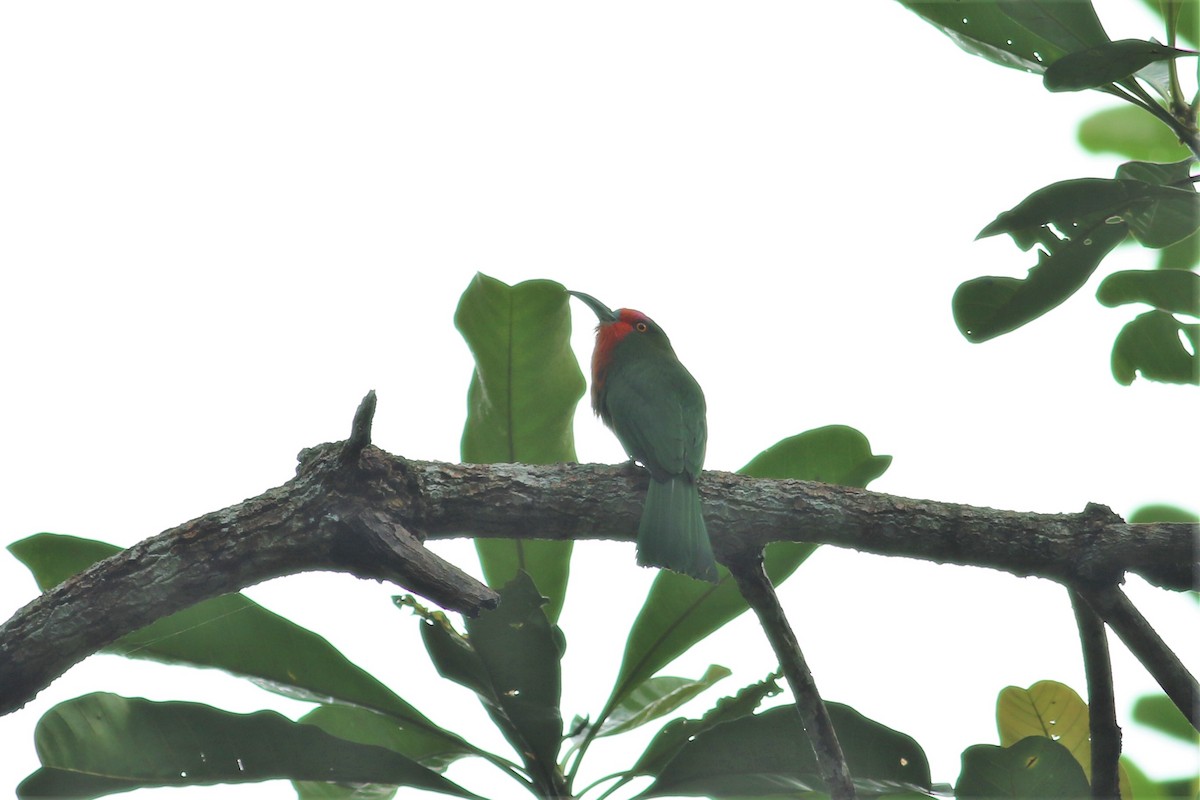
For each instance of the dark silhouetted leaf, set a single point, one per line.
(1176, 291)
(520, 407)
(769, 754)
(1104, 64)
(1150, 345)
(1033, 767)
(511, 660)
(1025, 34)
(235, 634)
(100, 743)
(1167, 209)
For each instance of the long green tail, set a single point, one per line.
(672, 532)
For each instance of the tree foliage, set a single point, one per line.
(362, 739)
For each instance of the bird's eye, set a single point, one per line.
(642, 327)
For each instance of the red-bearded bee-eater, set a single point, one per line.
(655, 407)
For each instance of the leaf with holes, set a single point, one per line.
(1026, 35)
(1150, 345)
(1033, 767)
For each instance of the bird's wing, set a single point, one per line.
(659, 420)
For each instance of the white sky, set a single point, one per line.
(222, 223)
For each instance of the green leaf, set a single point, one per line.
(1131, 132)
(769, 753)
(1184, 254)
(1175, 291)
(1077, 223)
(235, 634)
(678, 732)
(1187, 12)
(657, 697)
(1033, 767)
(1158, 712)
(511, 660)
(1104, 64)
(369, 727)
(1162, 513)
(1150, 345)
(836, 454)
(100, 743)
(1024, 34)
(1050, 709)
(679, 611)
(1167, 209)
(520, 407)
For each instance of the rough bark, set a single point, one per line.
(355, 508)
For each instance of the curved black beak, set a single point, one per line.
(603, 312)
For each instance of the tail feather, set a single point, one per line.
(672, 533)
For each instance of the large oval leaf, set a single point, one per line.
(520, 407)
(1032, 767)
(1131, 132)
(101, 743)
(769, 754)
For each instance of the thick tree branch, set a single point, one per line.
(1103, 730)
(756, 588)
(591, 501)
(339, 513)
(354, 508)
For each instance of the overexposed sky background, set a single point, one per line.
(222, 223)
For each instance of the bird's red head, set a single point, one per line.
(613, 328)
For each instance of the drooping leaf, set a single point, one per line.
(678, 732)
(1157, 711)
(1028, 34)
(769, 754)
(100, 743)
(679, 611)
(1050, 709)
(1104, 64)
(1131, 132)
(511, 660)
(657, 697)
(1149, 345)
(1033, 767)
(235, 634)
(520, 407)
(1175, 291)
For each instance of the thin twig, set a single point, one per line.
(756, 588)
(1102, 708)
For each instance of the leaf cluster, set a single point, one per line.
(1075, 224)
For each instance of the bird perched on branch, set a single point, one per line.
(655, 407)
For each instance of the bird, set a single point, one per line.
(645, 395)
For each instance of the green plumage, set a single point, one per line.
(657, 410)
